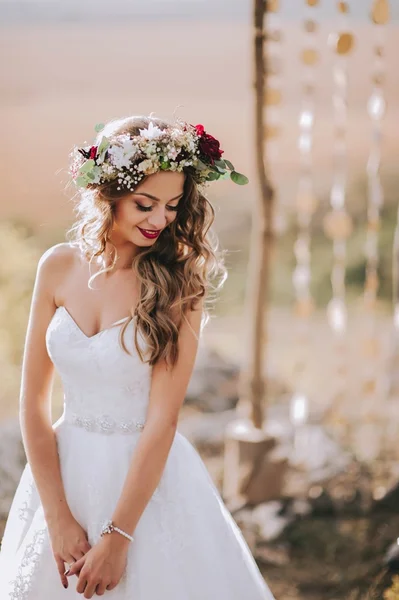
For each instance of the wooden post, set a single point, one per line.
(251, 474)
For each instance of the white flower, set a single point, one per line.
(122, 154)
(152, 133)
(173, 152)
(147, 166)
(108, 169)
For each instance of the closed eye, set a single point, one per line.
(149, 208)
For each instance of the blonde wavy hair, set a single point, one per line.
(183, 265)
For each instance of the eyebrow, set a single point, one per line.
(155, 198)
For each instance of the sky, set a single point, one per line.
(15, 11)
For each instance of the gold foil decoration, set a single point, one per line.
(312, 2)
(343, 7)
(372, 282)
(371, 348)
(342, 42)
(273, 5)
(369, 386)
(380, 13)
(310, 26)
(378, 79)
(306, 202)
(271, 131)
(304, 308)
(310, 56)
(273, 97)
(338, 225)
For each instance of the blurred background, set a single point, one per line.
(332, 120)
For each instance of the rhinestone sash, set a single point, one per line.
(105, 424)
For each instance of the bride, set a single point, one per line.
(113, 499)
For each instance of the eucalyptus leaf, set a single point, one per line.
(220, 163)
(81, 181)
(239, 178)
(213, 176)
(229, 165)
(87, 166)
(201, 166)
(220, 169)
(99, 127)
(104, 144)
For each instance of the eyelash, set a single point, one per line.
(149, 208)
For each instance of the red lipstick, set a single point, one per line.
(150, 233)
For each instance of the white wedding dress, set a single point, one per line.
(187, 545)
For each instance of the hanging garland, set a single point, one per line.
(337, 222)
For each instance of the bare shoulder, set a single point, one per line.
(54, 266)
(59, 256)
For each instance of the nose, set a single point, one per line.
(158, 218)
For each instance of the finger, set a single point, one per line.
(100, 589)
(82, 583)
(76, 567)
(61, 569)
(111, 586)
(89, 590)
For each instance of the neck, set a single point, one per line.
(125, 254)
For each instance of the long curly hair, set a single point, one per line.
(183, 265)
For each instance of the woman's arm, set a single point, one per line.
(68, 538)
(102, 567)
(36, 385)
(168, 390)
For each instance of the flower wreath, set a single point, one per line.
(130, 158)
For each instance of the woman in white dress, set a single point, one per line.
(113, 499)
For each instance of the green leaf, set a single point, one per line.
(239, 178)
(103, 145)
(81, 181)
(221, 164)
(220, 169)
(201, 166)
(229, 165)
(99, 127)
(165, 164)
(212, 176)
(87, 166)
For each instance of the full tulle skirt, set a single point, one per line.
(186, 545)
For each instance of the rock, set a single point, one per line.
(277, 556)
(206, 430)
(321, 502)
(269, 520)
(391, 558)
(12, 462)
(389, 501)
(213, 386)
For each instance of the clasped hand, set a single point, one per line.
(102, 567)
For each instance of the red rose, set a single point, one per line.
(93, 152)
(208, 145)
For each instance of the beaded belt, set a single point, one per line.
(106, 424)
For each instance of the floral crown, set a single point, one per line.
(128, 158)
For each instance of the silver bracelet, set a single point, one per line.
(109, 527)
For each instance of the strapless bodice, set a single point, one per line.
(105, 389)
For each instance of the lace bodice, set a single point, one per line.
(105, 389)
